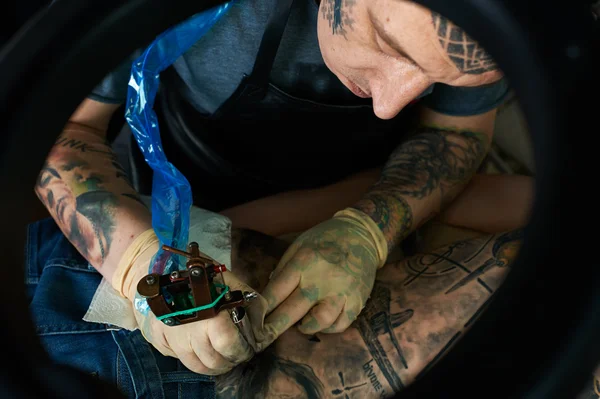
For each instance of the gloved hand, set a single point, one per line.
(326, 276)
(211, 346)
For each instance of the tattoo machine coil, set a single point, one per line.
(192, 294)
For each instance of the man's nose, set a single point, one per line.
(396, 90)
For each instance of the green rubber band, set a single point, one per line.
(199, 308)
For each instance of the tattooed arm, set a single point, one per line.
(418, 308)
(427, 172)
(87, 192)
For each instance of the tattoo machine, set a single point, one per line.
(186, 296)
(176, 296)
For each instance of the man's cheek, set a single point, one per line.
(328, 61)
(332, 57)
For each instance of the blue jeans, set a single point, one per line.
(60, 285)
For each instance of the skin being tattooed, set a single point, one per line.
(418, 309)
(86, 190)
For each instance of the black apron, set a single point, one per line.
(262, 141)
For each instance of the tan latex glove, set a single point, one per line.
(326, 276)
(212, 346)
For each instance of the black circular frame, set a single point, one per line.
(538, 337)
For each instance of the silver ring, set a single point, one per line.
(240, 319)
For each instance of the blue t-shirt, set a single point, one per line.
(214, 66)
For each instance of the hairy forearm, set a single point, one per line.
(418, 309)
(421, 177)
(88, 195)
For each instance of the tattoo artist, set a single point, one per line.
(282, 97)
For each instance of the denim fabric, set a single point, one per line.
(60, 285)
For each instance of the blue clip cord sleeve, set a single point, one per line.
(171, 192)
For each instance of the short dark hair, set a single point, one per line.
(254, 379)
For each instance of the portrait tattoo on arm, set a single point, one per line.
(338, 14)
(80, 205)
(468, 56)
(82, 185)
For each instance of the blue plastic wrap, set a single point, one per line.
(171, 192)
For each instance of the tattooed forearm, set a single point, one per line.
(468, 56)
(410, 321)
(338, 14)
(85, 190)
(391, 212)
(135, 197)
(425, 172)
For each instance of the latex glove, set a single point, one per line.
(326, 276)
(213, 346)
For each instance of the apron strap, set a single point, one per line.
(254, 86)
(259, 77)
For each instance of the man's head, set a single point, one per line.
(393, 50)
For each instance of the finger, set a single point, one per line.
(297, 258)
(293, 309)
(281, 287)
(175, 342)
(153, 331)
(188, 343)
(321, 316)
(227, 341)
(192, 361)
(345, 320)
(287, 256)
(201, 346)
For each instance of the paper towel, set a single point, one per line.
(210, 230)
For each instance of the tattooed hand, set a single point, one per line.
(325, 277)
